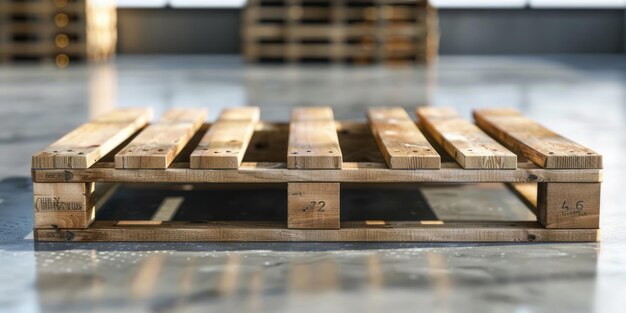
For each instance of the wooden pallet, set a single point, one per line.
(61, 30)
(315, 157)
(337, 31)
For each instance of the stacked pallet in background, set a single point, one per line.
(359, 31)
(57, 30)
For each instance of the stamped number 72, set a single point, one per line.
(315, 206)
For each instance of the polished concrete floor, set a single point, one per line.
(581, 96)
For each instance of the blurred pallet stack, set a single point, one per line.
(359, 31)
(61, 31)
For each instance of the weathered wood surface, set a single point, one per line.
(464, 141)
(88, 143)
(537, 143)
(313, 141)
(158, 144)
(400, 141)
(353, 231)
(225, 144)
(567, 205)
(63, 205)
(253, 172)
(313, 205)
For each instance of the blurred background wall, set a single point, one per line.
(466, 27)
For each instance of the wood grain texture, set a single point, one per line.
(537, 143)
(464, 141)
(353, 231)
(313, 205)
(400, 141)
(313, 141)
(568, 205)
(158, 144)
(64, 205)
(88, 143)
(276, 172)
(225, 144)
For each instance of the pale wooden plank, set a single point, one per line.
(350, 231)
(240, 114)
(537, 143)
(159, 143)
(225, 144)
(276, 172)
(313, 141)
(464, 141)
(87, 144)
(400, 141)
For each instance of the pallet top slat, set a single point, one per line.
(225, 144)
(160, 143)
(470, 146)
(266, 159)
(241, 114)
(313, 141)
(401, 143)
(537, 143)
(88, 143)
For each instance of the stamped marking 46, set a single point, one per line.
(576, 209)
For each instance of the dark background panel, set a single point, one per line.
(463, 31)
(531, 31)
(178, 31)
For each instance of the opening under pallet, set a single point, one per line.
(489, 212)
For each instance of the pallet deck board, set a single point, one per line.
(224, 145)
(355, 231)
(470, 146)
(88, 143)
(401, 143)
(158, 144)
(537, 143)
(313, 141)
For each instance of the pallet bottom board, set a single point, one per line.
(365, 231)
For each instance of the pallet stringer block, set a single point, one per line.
(64, 205)
(568, 205)
(313, 205)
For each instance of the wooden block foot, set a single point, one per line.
(313, 205)
(568, 205)
(63, 205)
